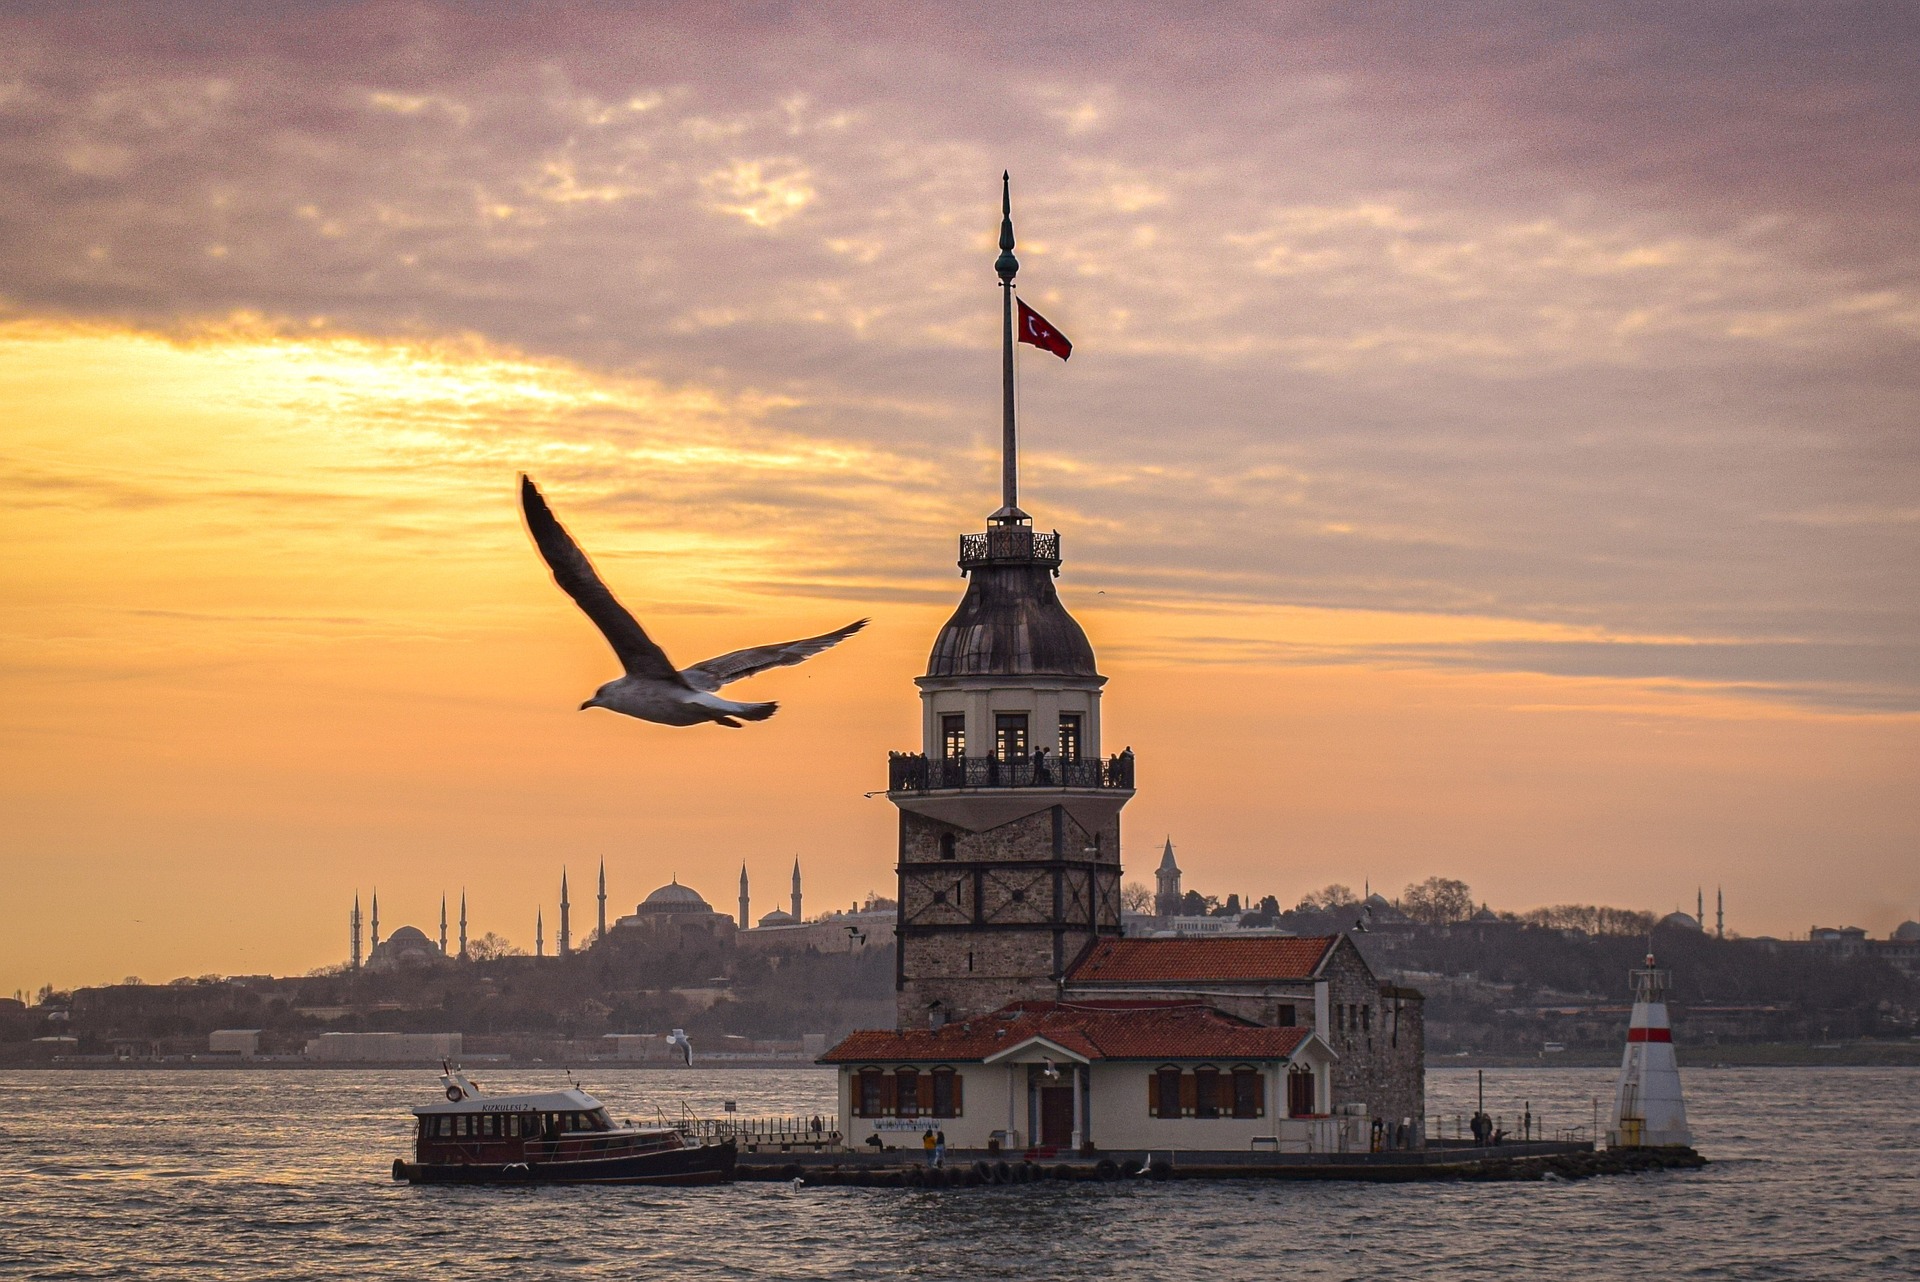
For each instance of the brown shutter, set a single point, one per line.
(957, 1108)
(1260, 1082)
(1187, 1093)
(924, 1091)
(1153, 1094)
(889, 1094)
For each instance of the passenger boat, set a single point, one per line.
(559, 1137)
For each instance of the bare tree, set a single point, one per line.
(1136, 897)
(490, 946)
(1327, 899)
(1437, 901)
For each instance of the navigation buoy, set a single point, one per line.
(1648, 1108)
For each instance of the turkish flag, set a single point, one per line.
(1035, 329)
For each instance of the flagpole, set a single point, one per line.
(1007, 266)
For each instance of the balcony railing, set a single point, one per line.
(1010, 545)
(916, 772)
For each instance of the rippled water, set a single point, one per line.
(208, 1175)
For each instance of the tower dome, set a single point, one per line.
(1011, 621)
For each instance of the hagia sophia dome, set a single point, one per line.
(675, 898)
(1907, 932)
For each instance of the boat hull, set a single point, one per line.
(705, 1164)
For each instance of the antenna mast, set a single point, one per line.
(1007, 266)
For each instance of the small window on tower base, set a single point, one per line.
(1069, 736)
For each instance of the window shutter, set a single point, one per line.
(1187, 1093)
(1153, 1094)
(889, 1094)
(1260, 1085)
(925, 1092)
(1223, 1094)
(958, 1108)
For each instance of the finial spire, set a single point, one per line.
(1007, 266)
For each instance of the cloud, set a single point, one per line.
(1603, 317)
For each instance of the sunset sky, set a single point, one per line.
(1489, 447)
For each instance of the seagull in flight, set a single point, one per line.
(653, 689)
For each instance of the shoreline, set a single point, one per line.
(1762, 1055)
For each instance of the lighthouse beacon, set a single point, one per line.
(1648, 1109)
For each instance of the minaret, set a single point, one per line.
(1166, 899)
(563, 945)
(443, 923)
(375, 941)
(745, 920)
(1009, 814)
(354, 923)
(1719, 912)
(1700, 907)
(539, 933)
(796, 889)
(463, 924)
(1648, 1107)
(600, 922)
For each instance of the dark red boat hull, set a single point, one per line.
(706, 1164)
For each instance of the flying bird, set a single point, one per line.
(679, 1038)
(653, 689)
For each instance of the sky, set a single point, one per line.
(1489, 448)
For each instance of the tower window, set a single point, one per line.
(953, 736)
(948, 845)
(1069, 736)
(1010, 737)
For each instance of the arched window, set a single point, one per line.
(946, 1092)
(1300, 1092)
(1166, 1092)
(1249, 1092)
(906, 1092)
(870, 1101)
(1206, 1091)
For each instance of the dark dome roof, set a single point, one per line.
(409, 936)
(674, 898)
(1011, 623)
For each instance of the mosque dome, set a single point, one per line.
(409, 937)
(1011, 621)
(779, 917)
(1907, 932)
(1680, 921)
(675, 898)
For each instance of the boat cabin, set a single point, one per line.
(551, 1126)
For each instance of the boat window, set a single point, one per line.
(510, 1126)
(601, 1122)
(460, 1124)
(486, 1124)
(446, 1125)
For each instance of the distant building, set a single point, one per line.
(407, 946)
(244, 1042)
(1166, 892)
(386, 1048)
(675, 916)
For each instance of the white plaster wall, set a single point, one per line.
(983, 1107)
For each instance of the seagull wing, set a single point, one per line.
(714, 673)
(576, 577)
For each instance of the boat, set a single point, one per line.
(549, 1137)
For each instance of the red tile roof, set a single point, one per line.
(1168, 961)
(1094, 1030)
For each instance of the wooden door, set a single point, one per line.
(1056, 1116)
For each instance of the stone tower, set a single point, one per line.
(1009, 847)
(796, 889)
(744, 900)
(1166, 897)
(354, 922)
(564, 944)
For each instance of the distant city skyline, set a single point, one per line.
(1486, 452)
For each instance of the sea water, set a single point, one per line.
(204, 1175)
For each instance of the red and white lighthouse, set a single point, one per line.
(1648, 1108)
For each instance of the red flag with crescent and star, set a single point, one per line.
(1035, 329)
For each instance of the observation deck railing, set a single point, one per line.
(916, 772)
(1010, 545)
